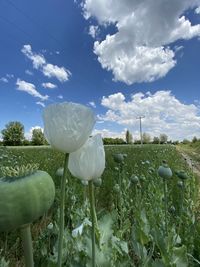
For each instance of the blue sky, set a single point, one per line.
(123, 61)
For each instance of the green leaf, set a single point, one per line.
(179, 256)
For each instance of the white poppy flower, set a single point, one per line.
(88, 162)
(67, 126)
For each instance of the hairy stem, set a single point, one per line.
(94, 219)
(62, 212)
(165, 201)
(27, 245)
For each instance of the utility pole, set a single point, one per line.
(140, 118)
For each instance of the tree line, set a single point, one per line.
(14, 135)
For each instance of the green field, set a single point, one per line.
(138, 226)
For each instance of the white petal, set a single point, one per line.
(67, 126)
(88, 162)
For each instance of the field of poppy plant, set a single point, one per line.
(146, 210)
(87, 205)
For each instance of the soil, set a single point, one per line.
(194, 165)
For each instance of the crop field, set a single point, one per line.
(143, 219)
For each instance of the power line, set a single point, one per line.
(39, 26)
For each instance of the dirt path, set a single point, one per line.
(194, 165)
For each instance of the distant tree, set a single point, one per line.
(26, 142)
(129, 137)
(185, 141)
(113, 141)
(13, 134)
(194, 139)
(38, 138)
(163, 138)
(156, 140)
(146, 138)
(137, 142)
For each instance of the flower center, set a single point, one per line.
(19, 171)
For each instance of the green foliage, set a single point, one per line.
(129, 137)
(113, 141)
(38, 138)
(146, 138)
(163, 138)
(13, 134)
(194, 139)
(156, 140)
(131, 217)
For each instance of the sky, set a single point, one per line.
(123, 59)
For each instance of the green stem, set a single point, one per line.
(120, 195)
(165, 200)
(94, 219)
(27, 245)
(62, 212)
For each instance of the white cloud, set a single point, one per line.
(197, 10)
(93, 31)
(163, 113)
(112, 134)
(60, 73)
(60, 96)
(40, 103)
(138, 51)
(9, 76)
(4, 80)
(92, 104)
(30, 89)
(49, 85)
(29, 72)
(37, 59)
(178, 48)
(49, 70)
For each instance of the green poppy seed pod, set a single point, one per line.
(84, 182)
(50, 226)
(164, 171)
(180, 184)
(97, 182)
(182, 175)
(60, 172)
(134, 179)
(118, 158)
(24, 199)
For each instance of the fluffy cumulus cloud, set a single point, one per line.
(93, 31)
(139, 50)
(30, 89)
(49, 85)
(163, 112)
(49, 70)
